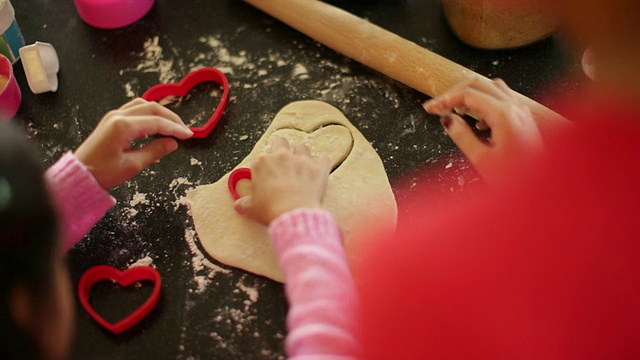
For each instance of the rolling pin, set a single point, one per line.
(382, 50)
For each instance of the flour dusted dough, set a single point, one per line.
(358, 193)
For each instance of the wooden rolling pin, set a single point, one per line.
(382, 50)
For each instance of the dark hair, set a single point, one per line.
(28, 232)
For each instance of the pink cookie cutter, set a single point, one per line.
(124, 278)
(10, 95)
(112, 14)
(207, 74)
(235, 176)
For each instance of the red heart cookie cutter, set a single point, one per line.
(235, 176)
(207, 74)
(124, 278)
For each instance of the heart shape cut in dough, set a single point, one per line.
(207, 74)
(333, 141)
(123, 278)
(358, 192)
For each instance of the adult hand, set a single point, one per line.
(107, 152)
(514, 133)
(284, 180)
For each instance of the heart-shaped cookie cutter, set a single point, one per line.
(207, 74)
(124, 278)
(235, 176)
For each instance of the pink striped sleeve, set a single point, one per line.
(78, 197)
(323, 301)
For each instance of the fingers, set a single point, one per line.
(302, 150)
(482, 104)
(463, 137)
(151, 153)
(280, 143)
(481, 125)
(506, 90)
(497, 89)
(139, 127)
(243, 205)
(134, 102)
(140, 107)
(325, 163)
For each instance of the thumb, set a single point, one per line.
(462, 135)
(153, 152)
(244, 205)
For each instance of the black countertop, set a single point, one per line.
(222, 313)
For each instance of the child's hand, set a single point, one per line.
(514, 133)
(107, 152)
(283, 181)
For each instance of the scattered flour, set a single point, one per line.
(153, 61)
(130, 212)
(169, 100)
(252, 293)
(139, 198)
(391, 57)
(179, 181)
(223, 55)
(199, 262)
(201, 283)
(145, 261)
(221, 343)
(181, 201)
(129, 91)
(195, 161)
(300, 72)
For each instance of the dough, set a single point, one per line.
(358, 193)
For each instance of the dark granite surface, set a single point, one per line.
(236, 315)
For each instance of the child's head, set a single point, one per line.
(35, 313)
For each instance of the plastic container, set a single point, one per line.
(41, 65)
(112, 14)
(11, 39)
(10, 95)
(500, 24)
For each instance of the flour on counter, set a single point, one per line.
(251, 292)
(179, 181)
(198, 261)
(129, 91)
(201, 283)
(130, 212)
(181, 201)
(145, 261)
(221, 343)
(139, 198)
(300, 72)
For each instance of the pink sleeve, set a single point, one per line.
(78, 197)
(323, 301)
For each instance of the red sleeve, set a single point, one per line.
(548, 267)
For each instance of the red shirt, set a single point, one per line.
(546, 267)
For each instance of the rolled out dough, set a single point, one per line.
(358, 193)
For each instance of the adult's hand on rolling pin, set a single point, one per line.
(514, 133)
(284, 180)
(108, 151)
